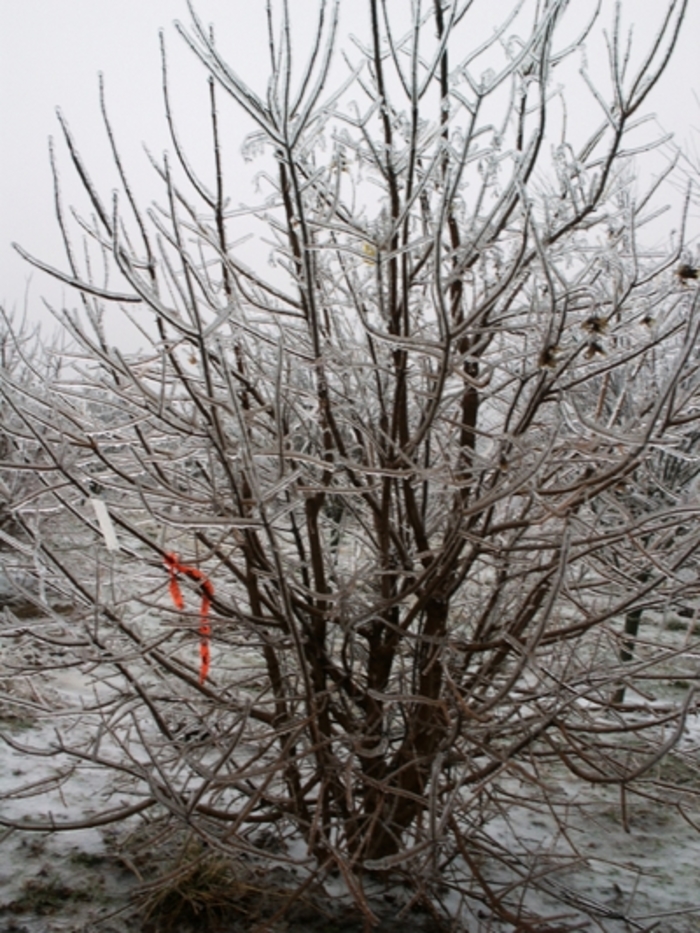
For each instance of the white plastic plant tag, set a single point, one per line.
(106, 526)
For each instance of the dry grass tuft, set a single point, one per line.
(205, 889)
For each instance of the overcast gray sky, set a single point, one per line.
(51, 53)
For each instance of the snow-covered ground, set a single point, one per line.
(611, 864)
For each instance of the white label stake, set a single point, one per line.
(106, 526)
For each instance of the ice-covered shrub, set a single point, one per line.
(388, 485)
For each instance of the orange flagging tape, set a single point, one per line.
(175, 568)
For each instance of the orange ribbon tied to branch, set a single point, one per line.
(175, 568)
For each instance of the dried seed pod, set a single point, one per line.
(686, 271)
(592, 349)
(548, 357)
(595, 324)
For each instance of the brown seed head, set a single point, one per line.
(686, 272)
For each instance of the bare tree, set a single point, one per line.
(374, 510)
